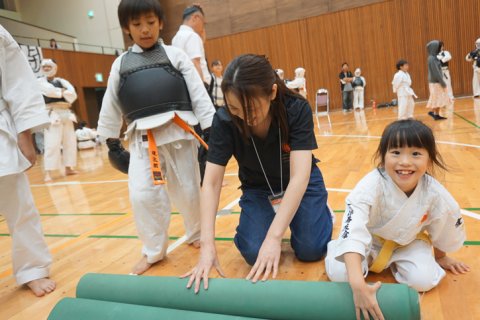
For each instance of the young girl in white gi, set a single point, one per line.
(22, 111)
(151, 86)
(358, 85)
(60, 139)
(401, 86)
(393, 218)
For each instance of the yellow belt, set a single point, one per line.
(388, 246)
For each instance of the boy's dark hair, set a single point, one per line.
(401, 63)
(191, 10)
(216, 63)
(344, 64)
(250, 76)
(132, 9)
(409, 133)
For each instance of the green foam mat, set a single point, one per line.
(274, 299)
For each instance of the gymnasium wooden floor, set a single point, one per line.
(88, 223)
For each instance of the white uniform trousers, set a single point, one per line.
(448, 81)
(413, 265)
(30, 255)
(476, 81)
(151, 203)
(405, 107)
(60, 145)
(358, 97)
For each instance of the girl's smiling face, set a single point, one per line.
(406, 166)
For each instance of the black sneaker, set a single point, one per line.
(439, 117)
(431, 114)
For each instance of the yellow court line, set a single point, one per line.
(72, 241)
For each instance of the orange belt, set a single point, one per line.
(155, 165)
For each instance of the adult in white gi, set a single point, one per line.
(444, 56)
(189, 39)
(178, 153)
(22, 111)
(401, 86)
(358, 85)
(474, 57)
(377, 208)
(299, 84)
(60, 139)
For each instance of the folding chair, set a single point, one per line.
(322, 106)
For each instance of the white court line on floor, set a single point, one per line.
(378, 137)
(470, 214)
(182, 239)
(68, 183)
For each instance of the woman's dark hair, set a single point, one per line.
(401, 63)
(251, 76)
(344, 64)
(132, 9)
(409, 133)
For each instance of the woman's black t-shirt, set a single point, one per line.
(226, 141)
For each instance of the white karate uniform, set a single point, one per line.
(178, 157)
(21, 108)
(358, 95)
(401, 86)
(60, 138)
(85, 138)
(476, 76)
(300, 84)
(445, 56)
(378, 207)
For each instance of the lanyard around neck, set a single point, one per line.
(261, 165)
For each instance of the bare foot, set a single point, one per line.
(196, 244)
(41, 287)
(141, 266)
(70, 171)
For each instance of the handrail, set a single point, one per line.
(70, 46)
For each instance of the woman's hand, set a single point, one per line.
(267, 260)
(25, 143)
(365, 300)
(455, 266)
(208, 259)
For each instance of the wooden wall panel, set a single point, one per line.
(372, 37)
(225, 17)
(79, 68)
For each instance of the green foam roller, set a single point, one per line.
(81, 309)
(274, 299)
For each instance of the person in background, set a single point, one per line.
(190, 38)
(54, 44)
(86, 137)
(299, 84)
(216, 84)
(358, 85)
(346, 78)
(60, 139)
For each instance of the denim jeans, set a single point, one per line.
(347, 97)
(311, 227)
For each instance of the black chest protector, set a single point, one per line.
(150, 84)
(357, 82)
(57, 84)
